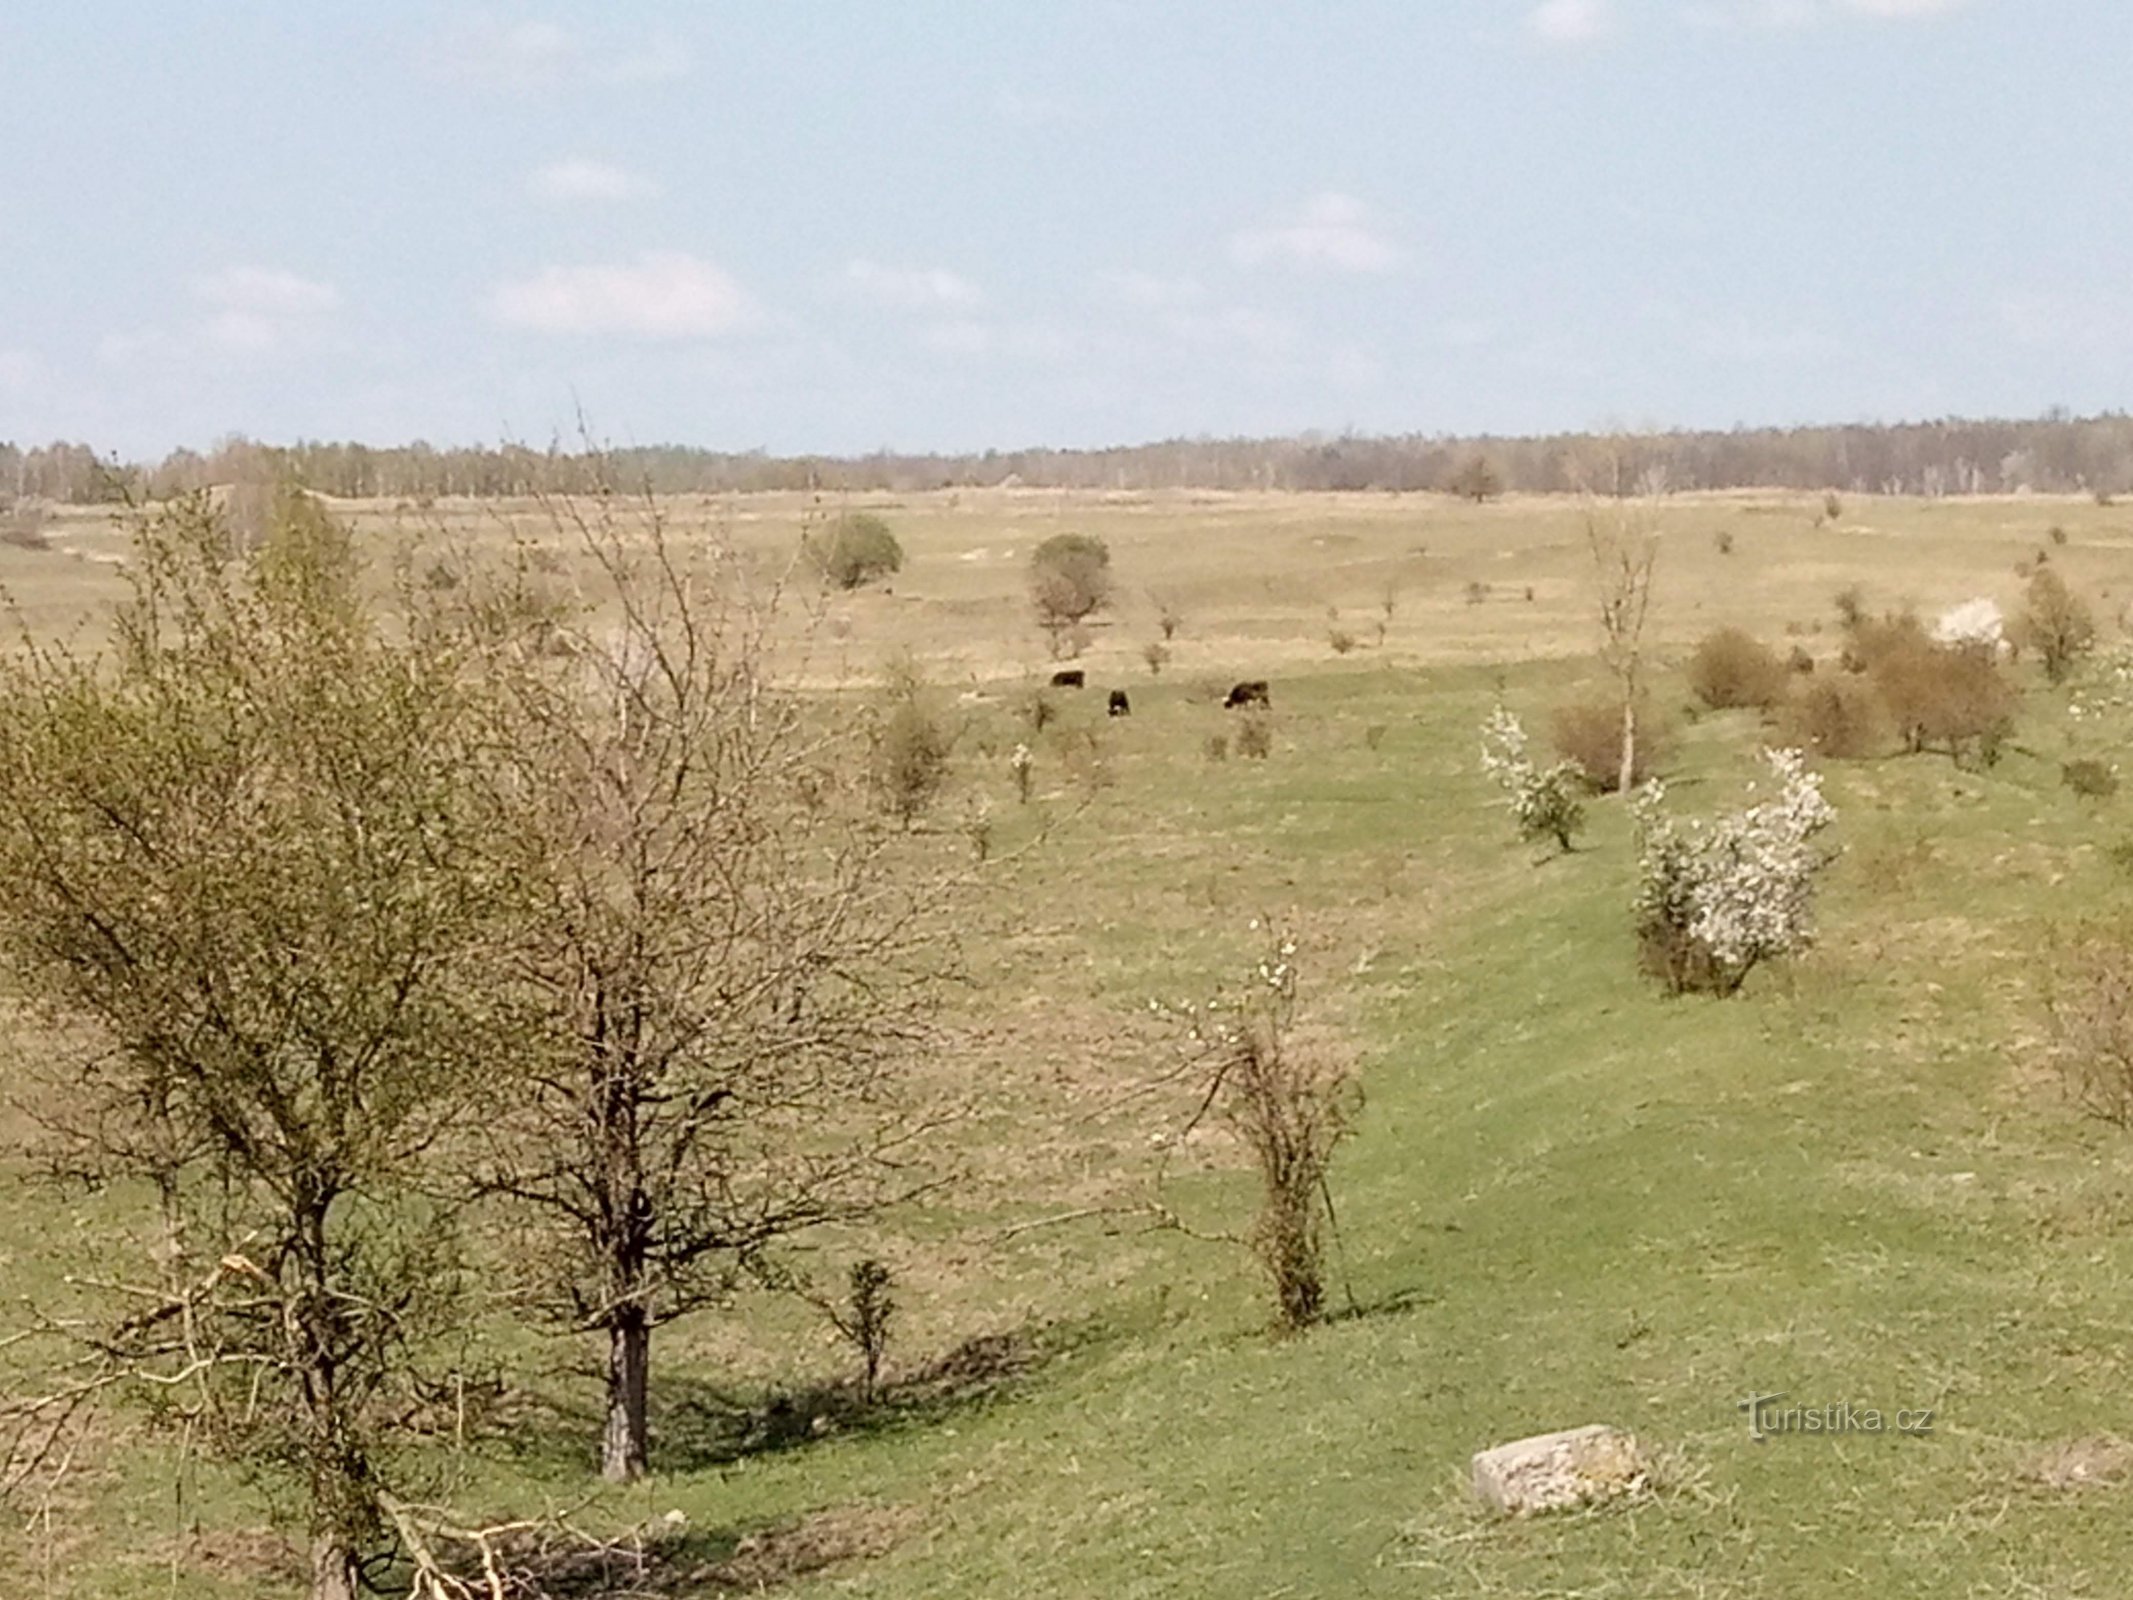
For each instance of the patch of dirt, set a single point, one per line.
(779, 1556)
(2079, 1463)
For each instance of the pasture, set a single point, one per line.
(1570, 1198)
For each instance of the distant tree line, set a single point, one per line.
(2056, 453)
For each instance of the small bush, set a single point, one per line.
(1476, 592)
(1870, 640)
(1374, 735)
(2089, 1023)
(865, 1318)
(1850, 602)
(1475, 479)
(1715, 900)
(1217, 747)
(2058, 534)
(2089, 778)
(1948, 698)
(1730, 669)
(1723, 539)
(911, 747)
(22, 525)
(1157, 655)
(1291, 1100)
(1038, 709)
(1832, 507)
(1255, 735)
(1545, 805)
(855, 549)
(1799, 661)
(1839, 718)
(1341, 640)
(1588, 734)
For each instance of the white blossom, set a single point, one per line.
(1717, 897)
(1545, 805)
(1975, 622)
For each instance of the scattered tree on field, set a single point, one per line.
(855, 549)
(718, 963)
(244, 858)
(2057, 624)
(1069, 582)
(1622, 537)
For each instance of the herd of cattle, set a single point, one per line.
(1251, 692)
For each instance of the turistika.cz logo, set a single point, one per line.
(1768, 1416)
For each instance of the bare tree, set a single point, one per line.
(718, 959)
(1623, 539)
(238, 854)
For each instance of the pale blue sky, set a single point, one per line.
(809, 225)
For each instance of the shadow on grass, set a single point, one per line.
(696, 1423)
(669, 1561)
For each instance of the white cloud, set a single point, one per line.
(908, 288)
(569, 182)
(262, 308)
(266, 292)
(1789, 14)
(1571, 21)
(1903, 8)
(488, 52)
(1029, 110)
(20, 371)
(1149, 290)
(661, 61)
(1334, 231)
(663, 294)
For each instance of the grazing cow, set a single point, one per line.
(1120, 706)
(1069, 678)
(1252, 692)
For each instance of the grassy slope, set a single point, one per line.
(1572, 1200)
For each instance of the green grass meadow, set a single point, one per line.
(1571, 1199)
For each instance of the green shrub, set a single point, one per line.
(2089, 778)
(855, 549)
(1731, 669)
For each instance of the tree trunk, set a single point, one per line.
(1628, 775)
(333, 1569)
(623, 1448)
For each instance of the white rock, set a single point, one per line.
(1551, 1471)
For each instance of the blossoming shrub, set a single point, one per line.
(1290, 1098)
(1716, 899)
(1544, 804)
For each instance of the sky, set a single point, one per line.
(835, 226)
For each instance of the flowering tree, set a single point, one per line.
(1545, 805)
(1977, 623)
(1715, 899)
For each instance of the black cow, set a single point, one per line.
(1069, 678)
(1251, 692)
(1120, 706)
